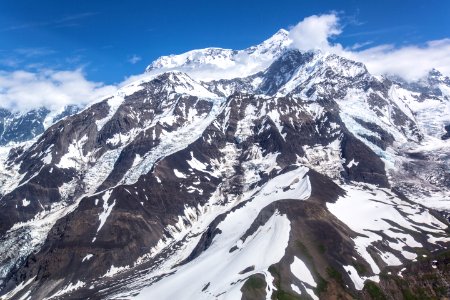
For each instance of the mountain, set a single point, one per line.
(19, 127)
(218, 63)
(305, 177)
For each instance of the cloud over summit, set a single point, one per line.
(410, 62)
(314, 32)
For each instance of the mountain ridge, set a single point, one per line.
(160, 178)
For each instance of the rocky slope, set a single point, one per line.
(304, 177)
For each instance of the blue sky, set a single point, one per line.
(114, 39)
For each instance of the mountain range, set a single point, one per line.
(263, 173)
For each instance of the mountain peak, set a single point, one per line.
(280, 35)
(436, 77)
(434, 72)
(276, 44)
(219, 63)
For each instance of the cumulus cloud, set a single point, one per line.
(23, 90)
(314, 32)
(410, 62)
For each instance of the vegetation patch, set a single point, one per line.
(360, 268)
(255, 282)
(333, 273)
(374, 290)
(283, 295)
(322, 285)
(254, 287)
(322, 248)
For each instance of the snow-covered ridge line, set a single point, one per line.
(39, 227)
(218, 63)
(227, 277)
(371, 212)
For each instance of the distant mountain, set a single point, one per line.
(302, 176)
(19, 127)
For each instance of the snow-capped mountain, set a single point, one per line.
(16, 127)
(302, 176)
(218, 63)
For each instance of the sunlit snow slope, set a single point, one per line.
(264, 173)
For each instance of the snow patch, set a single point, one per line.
(367, 210)
(115, 270)
(356, 279)
(179, 174)
(87, 257)
(301, 271)
(107, 208)
(18, 288)
(196, 164)
(69, 288)
(74, 157)
(352, 163)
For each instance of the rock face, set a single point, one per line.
(447, 133)
(309, 178)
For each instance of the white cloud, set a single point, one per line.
(23, 90)
(314, 32)
(410, 62)
(134, 59)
